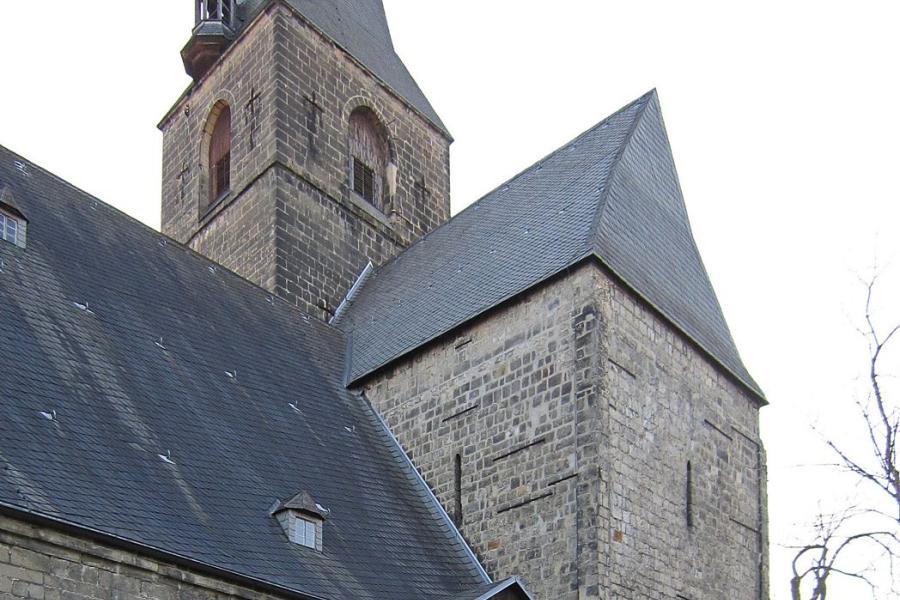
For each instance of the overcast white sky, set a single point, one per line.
(782, 115)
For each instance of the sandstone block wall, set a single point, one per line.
(38, 563)
(667, 405)
(515, 396)
(292, 222)
(575, 410)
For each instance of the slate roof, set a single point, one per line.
(612, 193)
(486, 591)
(150, 395)
(361, 28)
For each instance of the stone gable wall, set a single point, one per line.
(576, 409)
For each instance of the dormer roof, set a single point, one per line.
(8, 202)
(302, 503)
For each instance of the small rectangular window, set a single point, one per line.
(9, 229)
(363, 180)
(305, 533)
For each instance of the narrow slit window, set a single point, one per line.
(689, 496)
(457, 490)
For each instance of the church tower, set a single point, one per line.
(303, 149)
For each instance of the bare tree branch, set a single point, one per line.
(833, 550)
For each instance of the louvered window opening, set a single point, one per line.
(216, 10)
(220, 157)
(363, 180)
(9, 229)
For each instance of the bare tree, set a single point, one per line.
(844, 536)
(882, 418)
(815, 563)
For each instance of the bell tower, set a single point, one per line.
(303, 149)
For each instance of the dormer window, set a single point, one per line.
(13, 223)
(301, 519)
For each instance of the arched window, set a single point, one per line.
(219, 160)
(370, 156)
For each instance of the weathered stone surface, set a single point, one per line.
(576, 410)
(76, 569)
(292, 223)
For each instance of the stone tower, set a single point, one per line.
(303, 149)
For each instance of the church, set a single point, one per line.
(316, 384)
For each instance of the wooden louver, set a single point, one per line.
(363, 180)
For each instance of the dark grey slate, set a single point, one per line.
(612, 193)
(142, 352)
(490, 590)
(361, 28)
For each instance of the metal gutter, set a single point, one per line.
(355, 290)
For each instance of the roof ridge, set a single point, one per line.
(591, 242)
(529, 169)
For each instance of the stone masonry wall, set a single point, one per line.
(245, 79)
(327, 233)
(575, 410)
(668, 405)
(515, 396)
(291, 91)
(239, 231)
(42, 564)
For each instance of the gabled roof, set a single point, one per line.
(509, 589)
(360, 27)
(612, 193)
(152, 396)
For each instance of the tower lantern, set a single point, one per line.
(214, 28)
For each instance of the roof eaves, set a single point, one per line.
(750, 387)
(353, 379)
(37, 518)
